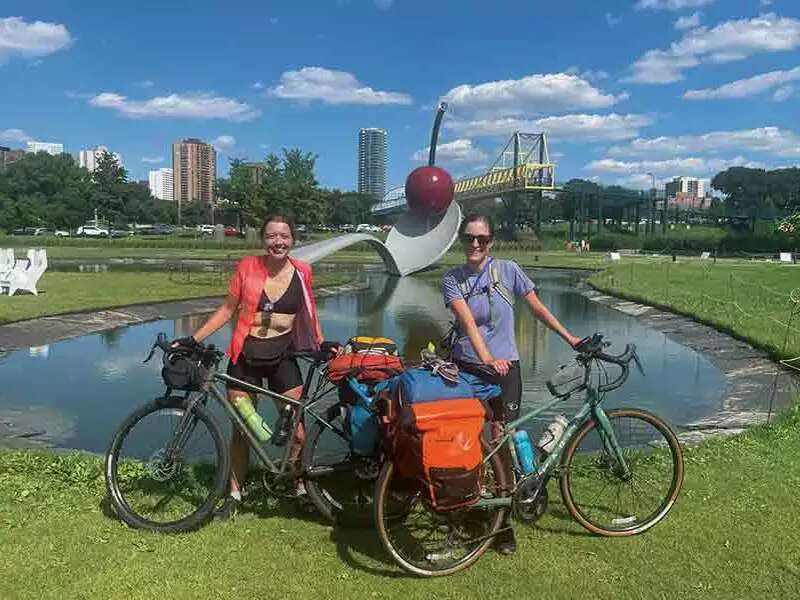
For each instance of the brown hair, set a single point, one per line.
(473, 217)
(277, 218)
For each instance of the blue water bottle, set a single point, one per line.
(525, 455)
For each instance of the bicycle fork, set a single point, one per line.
(609, 438)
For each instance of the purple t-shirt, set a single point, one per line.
(498, 333)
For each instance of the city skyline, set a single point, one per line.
(683, 90)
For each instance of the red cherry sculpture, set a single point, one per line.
(429, 190)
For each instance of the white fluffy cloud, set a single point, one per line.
(31, 40)
(152, 160)
(224, 142)
(554, 92)
(566, 127)
(14, 135)
(693, 165)
(457, 151)
(178, 106)
(743, 88)
(729, 41)
(612, 21)
(671, 4)
(689, 22)
(145, 83)
(766, 140)
(783, 93)
(332, 87)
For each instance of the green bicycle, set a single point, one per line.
(619, 471)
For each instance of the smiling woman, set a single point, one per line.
(277, 315)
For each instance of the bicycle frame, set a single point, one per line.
(591, 407)
(304, 405)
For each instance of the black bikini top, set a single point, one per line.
(288, 303)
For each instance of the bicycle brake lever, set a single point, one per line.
(149, 356)
(638, 363)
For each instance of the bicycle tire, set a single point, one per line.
(220, 479)
(603, 469)
(383, 494)
(330, 504)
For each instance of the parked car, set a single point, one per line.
(119, 233)
(92, 231)
(206, 229)
(43, 231)
(24, 231)
(61, 233)
(231, 231)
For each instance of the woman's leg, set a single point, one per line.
(240, 449)
(299, 437)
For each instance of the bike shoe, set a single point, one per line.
(505, 542)
(228, 510)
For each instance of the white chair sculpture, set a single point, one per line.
(786, 257)
(705, 255)
(6, 261)
(26, 273)
(614, 256)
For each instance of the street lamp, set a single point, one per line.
(652, 204)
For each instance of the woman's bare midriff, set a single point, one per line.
(267, 325)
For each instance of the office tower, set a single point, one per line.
(50, 148)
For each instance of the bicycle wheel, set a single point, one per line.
(607, 501)
(154, 491)
(428, 543)
(340, 484)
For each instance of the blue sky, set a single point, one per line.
(622, 87)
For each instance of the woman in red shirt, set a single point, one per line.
(277, 314)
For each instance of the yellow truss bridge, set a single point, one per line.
(522, 166)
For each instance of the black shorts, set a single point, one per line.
(282, 376)
(506, 406)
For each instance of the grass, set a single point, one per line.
(731, 535)
(750, 300)
(62, 292)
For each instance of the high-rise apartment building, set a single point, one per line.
(372, 162)
(194, 167)
(8, 156)
(161, 184)
(89, 158)
(50, 148)
(685, 185)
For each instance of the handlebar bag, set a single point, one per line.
(182, 371)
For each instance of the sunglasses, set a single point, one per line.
(468, 238)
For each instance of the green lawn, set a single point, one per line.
(748, 299)
(61, 292)
(732, 534)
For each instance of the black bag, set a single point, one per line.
(183, 370)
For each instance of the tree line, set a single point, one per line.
(42, 190)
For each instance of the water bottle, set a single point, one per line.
(251, 417)
(553, 433)
(525, 454)
(282, 426)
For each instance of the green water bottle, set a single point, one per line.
(254, 421)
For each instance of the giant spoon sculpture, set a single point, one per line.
(423, 234)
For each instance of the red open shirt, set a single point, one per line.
(248, 283)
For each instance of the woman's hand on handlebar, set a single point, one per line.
(500, 365)
(574, 341)
(185, 342)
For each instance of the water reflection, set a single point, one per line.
(98, 379)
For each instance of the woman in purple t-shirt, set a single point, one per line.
(481, 294)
